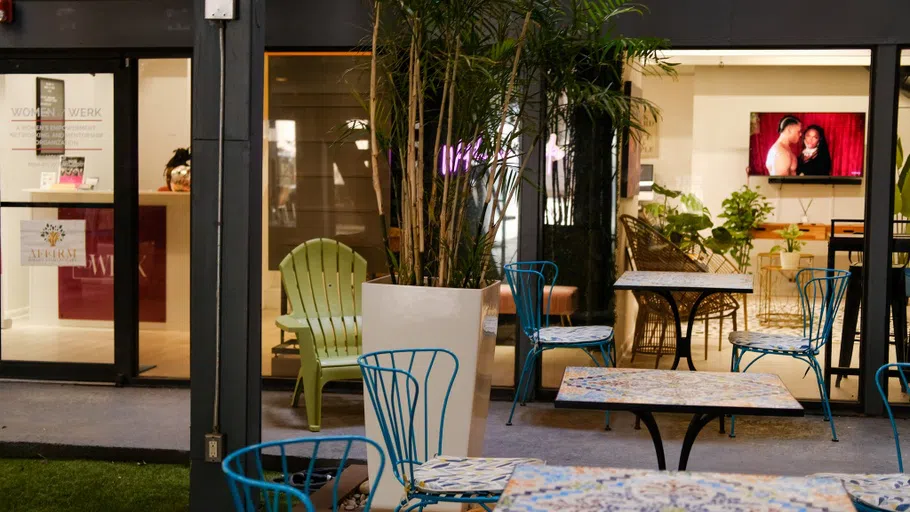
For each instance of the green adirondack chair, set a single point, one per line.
(323, 281)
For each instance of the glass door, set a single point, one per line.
(60, 222)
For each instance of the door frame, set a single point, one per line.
(126, 210)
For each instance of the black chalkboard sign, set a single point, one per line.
(49, 117)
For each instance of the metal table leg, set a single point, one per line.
(695, 426)
(684, 342)
(648, 419)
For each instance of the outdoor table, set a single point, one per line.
(705, 395)
(665, 283)
(577, 489)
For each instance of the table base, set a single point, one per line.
(699, 421)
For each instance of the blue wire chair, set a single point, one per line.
(527, 280)
(874, 493)
(820, 294)
(397, 383)
(248, 481)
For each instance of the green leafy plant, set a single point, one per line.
(745, 210)
(791, 239)
(684, 223)
(902, 190)
(452, 88)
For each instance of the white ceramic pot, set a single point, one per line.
(460, 320)
(789, 260)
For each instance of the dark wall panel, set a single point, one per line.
(317, 23)
(99, 24)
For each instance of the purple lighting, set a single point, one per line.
(459, 158)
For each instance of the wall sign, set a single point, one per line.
(50, 111)
(52, 243)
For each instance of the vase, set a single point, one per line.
(463, 321)
(789, 260)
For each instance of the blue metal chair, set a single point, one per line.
(527, 280)
(247, 478)
(873, 493)
(820, 294)
(398, 384)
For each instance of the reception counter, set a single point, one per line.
(85, 295)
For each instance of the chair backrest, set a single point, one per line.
(821, 291)
(528, 280)
(323, 280)
(412, 422)
(653, 251)
(879, 379)
(247, 475)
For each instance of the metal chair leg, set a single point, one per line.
(518, 389)
(826, 404)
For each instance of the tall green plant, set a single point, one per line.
(684, 223)
(745, 210)
(452, 85)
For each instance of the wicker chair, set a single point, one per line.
(650, 250)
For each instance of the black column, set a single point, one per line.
(531, 197)
(240, 407)
(883, 96)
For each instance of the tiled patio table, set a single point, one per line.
(666, 283)
(705, 395)
(577, 489)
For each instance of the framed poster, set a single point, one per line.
(49, 116)
(72, 170)
(630, 153)
(649, 137)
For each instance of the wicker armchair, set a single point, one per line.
(649, 250)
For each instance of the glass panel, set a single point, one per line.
(58, 284)
(316, 186)
(902, 223)
(718, 127)
(164, 217)
(57, 263)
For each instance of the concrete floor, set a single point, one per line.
(65, 414)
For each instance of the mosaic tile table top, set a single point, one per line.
(684, 281)
(577, 489)
(672, 391)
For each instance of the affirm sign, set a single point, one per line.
(52, 243)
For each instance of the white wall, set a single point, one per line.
(707, 109)
(164, 116)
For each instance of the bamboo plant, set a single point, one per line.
(453, 87)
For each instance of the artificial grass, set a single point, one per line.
(36, 485)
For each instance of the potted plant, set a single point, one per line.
(789, 258)
(745, 210)
(452, 89)
(684, 223)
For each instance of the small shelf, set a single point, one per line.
(815, 180)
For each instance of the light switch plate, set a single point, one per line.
(219, 9)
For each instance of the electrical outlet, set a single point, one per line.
(214, 447)
(219, 9)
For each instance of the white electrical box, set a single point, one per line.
(219, 9)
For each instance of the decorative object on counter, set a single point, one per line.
(177, 172)
(745, 210)
(89, 183)
(683, 223)
(48, 179)
(805, 208)
(789, 258)
(71, 170)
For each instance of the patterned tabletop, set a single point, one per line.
(684, 281)
(577, 489)
(671, 391)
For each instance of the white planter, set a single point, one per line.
(460, 320)
(789, 260)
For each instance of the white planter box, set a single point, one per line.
(460, 320)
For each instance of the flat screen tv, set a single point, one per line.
(807, 146)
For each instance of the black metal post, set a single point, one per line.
(531, 198)
(883, 94)
(241, 383)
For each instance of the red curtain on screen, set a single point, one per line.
(845, 132)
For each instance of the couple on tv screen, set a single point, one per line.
(814, 157)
